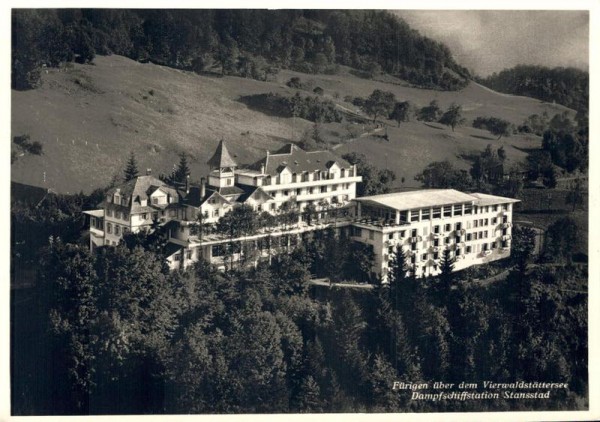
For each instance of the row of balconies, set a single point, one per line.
(311, 183)
(308, 177)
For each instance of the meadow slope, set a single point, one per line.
(89, 117)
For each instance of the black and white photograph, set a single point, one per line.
(256, 211)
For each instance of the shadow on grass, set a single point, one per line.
(527, 150)
(432, 126)
(265, 103)
(487, 138)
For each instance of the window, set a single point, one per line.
(323, 189)
(436, 242)
(403, 216)
(413, 233)
(469, 249)
(437, 212)
(469, 237)
(218, 250)
(413, 247)
(458, 252)
(109, 213)
(155, 201)
(402, 233)
(436, 255)
(117, 230)
(495, 208)
(494, 220)
(468, 209)
(298, 191)
(144, 216)
(215, 213)
(413, 259)
(425, 214)
(458, 226)
(475, 223)
(108, 228)
(436, 229)
(188, 254)
(458, 209)
(286, 193)
(273, 205)
(357, 231)
(448, 211)
(446, 240)
(448, 227)
(391, 250)
(424, 257)
(334, 188)
(414, 215)
(391, 236)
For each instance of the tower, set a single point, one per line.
(222, 168)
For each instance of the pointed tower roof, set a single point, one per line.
(221, 158)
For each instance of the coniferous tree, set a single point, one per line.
(308, 399)
(131, 170)
(183, 170)
(397, 276)
(445, 280)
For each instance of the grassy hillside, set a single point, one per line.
(88, 118)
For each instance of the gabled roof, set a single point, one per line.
(255, 192)
(171, 249)
(139, 189)
(34, 195)
(297, 160)
(221, 157)
(193, 197)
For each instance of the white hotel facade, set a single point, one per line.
(475, 227)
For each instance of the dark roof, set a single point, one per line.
(298, 160)
(172, 248)
(250, 191)
(139, 189)
(27, 193)
(221, 157)
(193, 198)
(229, 190)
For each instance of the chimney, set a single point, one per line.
(202, 188)
(187, 184)
(148, 172)
(262, 169)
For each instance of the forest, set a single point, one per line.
(566, 86)
(117, 332)
(247, 43)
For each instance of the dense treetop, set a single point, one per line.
(566, 86)
(232, 41)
